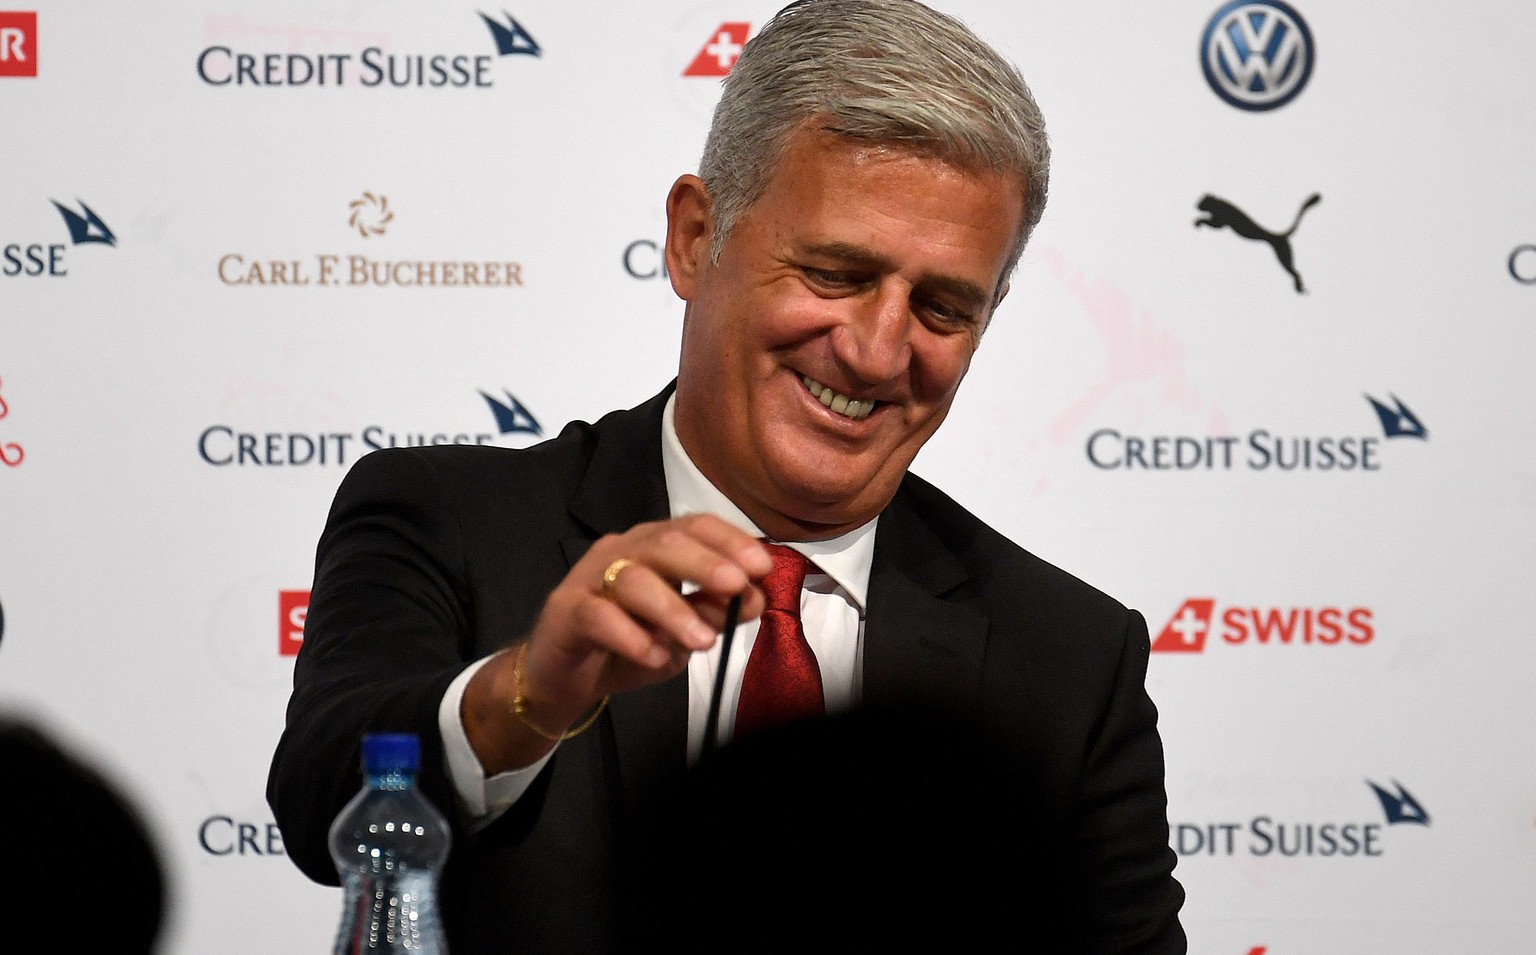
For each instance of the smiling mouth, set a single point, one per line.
(855, 408)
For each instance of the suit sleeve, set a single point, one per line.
(386, 632)
(1130, 898)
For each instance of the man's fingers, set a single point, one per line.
(700, 550)
(730, 542)
(713, 611)
(618, 631)
(653, 595)
(656, 606)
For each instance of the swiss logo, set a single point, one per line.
(1197, 623)
(292, 608)
(1186, 630)
(720, 51)
(18, 43)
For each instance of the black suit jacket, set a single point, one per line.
(434, 557)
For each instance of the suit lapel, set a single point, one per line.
(916, 643)
(625, 485)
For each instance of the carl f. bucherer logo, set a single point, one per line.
(369, 216)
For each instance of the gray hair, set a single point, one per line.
(891, 72)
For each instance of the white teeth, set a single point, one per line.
(854, 408)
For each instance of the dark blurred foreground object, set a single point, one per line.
(898, 829)
(78, 847)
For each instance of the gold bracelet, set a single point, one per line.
(519, 704)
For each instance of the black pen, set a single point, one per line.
(726, 635)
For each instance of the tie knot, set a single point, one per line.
(783, 584)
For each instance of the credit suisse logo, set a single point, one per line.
(644, 259)
(292, 608)
(1522, 264)
(1257, 56)
(370, 67)
(11, 452)
(228, 836)
(1260, 449)
(227, 445)
(1355, 832)
(1197, 623)
(39, 257)
(18, 43)
(370, 217)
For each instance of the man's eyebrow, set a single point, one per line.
(968, 292)
(858, 256)
(849, 254)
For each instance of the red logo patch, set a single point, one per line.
(1186, 631)
(720, 51)
(292, 608)
(18, 43)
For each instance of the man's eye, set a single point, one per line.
(948, 314)
(827, 276)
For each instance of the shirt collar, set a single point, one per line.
(845, 559)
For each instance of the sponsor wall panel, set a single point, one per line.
(214, 296)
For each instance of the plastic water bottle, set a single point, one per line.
(389, 845)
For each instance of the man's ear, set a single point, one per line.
(690, 225)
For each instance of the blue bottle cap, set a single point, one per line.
(390, 752)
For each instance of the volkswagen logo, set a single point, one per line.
(1257, 54)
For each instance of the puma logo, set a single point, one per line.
(1221, 214)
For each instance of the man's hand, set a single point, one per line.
(597, 637)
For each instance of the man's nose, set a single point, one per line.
(874, 343)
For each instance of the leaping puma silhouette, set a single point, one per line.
(1219, 213)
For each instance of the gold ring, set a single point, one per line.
(611, 576)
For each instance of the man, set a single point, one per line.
(549, 620)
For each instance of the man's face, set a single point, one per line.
(864, 277)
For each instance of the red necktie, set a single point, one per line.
(783, 681)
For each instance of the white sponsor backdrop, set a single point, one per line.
(141, 557)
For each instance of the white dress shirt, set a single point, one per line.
(831, 611)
